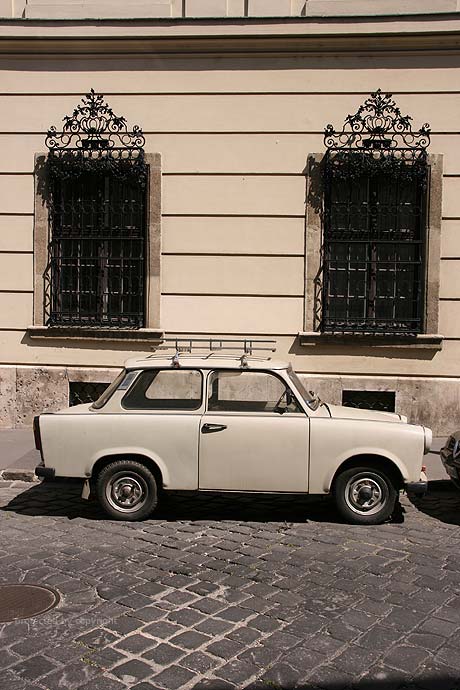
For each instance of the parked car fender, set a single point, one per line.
(337, 441)
(365, 452)
(118, 452)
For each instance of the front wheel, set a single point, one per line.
(127, 490)
(365, 496)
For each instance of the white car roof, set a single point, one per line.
(205, 362)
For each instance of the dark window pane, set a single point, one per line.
(97, 252)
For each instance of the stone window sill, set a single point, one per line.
(421, 342)
(140, 335)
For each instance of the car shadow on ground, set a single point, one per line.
(63, 499)
(429, 682)
(442, 501)
(449, 680)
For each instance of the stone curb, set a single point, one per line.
(18, 475)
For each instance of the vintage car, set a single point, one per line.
(450, 456)
(228, 423)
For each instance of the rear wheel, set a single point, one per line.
(127, 490)
(365, 495)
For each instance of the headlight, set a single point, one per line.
(428, 440)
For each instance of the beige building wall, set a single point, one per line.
(234, 132)
(57, 9)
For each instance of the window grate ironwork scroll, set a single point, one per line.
(375, 194)
(97, 215)
(94, 139)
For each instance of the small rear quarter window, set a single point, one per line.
(165, 389)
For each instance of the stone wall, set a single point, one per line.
(27, 391)
(435, 403)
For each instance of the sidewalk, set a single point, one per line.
(17, 452)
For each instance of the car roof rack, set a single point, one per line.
(213, 346)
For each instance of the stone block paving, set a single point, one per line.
(218, 593)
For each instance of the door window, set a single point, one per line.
(249, 391)
(165, 389)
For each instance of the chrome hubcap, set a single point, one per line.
(126, 492)
(365, 494)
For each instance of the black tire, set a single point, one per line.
(127, 490)
(365, 495)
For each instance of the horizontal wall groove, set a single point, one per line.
(229, 174)
(229, 215)
(17, 251)
(287, 132)
(33, 365)
(198, 94)
(16, 213)
(204, 132)
(16, 292)
(208, 173)
(231, 294)
(255, 255)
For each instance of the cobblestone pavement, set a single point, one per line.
(231, 592)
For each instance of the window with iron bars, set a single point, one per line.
(97, 252)
(373, 253)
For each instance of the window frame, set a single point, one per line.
(301, 413)
(166, 410)
(311, 333)
(152, 285)
(369, 267)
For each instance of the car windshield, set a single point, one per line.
(313, 401)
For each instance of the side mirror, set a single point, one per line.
(289, 397)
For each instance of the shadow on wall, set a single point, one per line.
(156, 63)
(346, 349)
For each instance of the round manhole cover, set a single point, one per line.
(25, 601)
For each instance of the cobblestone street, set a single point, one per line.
(231, 592)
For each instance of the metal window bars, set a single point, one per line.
(375, 199)
(98, 219)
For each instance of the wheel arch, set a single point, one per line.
(105, 460)
(373, 461)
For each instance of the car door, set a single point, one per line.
(254, 435)
(165, 407)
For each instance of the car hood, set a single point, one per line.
(342, 412)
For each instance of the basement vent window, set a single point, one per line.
(383, 401)
(85, 392)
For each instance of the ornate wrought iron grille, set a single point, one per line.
(383, 401)
(97, 215)
(85, 392)
(374, 222)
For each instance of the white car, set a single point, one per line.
(217, 423)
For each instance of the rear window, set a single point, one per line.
(165, 389)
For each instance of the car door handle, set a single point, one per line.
(212, 428)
